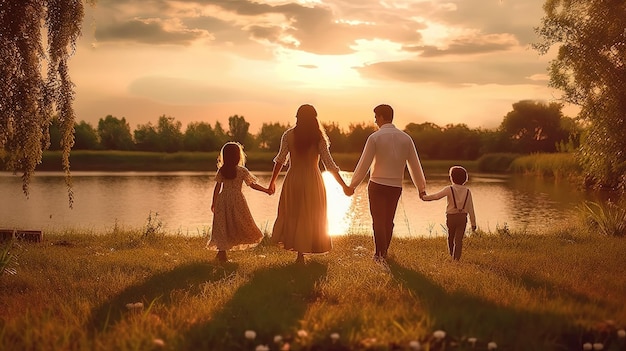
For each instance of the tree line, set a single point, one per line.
(531, 126)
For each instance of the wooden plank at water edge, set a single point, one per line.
(25, 235)
(29, 235)
(6, 234)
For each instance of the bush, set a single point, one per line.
(496, 163)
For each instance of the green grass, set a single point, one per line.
(557, 165)
(117, 161)
(524, 292)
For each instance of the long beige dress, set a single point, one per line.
(233, 225)
(302, 224)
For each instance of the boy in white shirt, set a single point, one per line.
(460, 204)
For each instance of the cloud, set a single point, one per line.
(149, 31)
(468, 46)
(457, 73)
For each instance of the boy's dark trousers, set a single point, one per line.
(383, 203)
(456, 223)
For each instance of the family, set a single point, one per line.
(301, 223)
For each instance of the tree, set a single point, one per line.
(427, 138)
(199, 136)
(269, 136)
(337, 138)
(146, 137)
(30, 94)
(169, 133)
(220, 135)
(590, 69)
(85, 137)
(115, 134)
(534, 126)
(357, 136)
(238, 129)
(458, 142)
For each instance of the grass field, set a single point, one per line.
(125, 290)
(81, 160)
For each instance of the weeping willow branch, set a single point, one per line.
(32, 91)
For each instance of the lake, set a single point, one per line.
(181, 201)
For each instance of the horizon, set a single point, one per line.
(445, 62)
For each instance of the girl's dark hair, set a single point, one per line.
(230, 157)
(307, 131)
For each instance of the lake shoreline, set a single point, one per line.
(124, 161)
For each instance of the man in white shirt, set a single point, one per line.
(386, 154)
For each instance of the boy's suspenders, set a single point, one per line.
(454, 199)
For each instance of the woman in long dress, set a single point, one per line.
(302, 224)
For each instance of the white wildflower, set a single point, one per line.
(334, 337)
(587, 346)
(138, 305)
(303, 333)
(278, 339)
(598, 346)
(492, 346)
(415, 345)
(262, 348)
(158, 342)
(439, 334)
(250, 334)
(472, 340)
(621, 333)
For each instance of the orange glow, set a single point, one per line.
(338, 206)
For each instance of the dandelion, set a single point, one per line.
(303, 333)
(598, 346)
(334, 337)
(278, 339)
(621, 333)
(134, 306)
(250, 334)
(262, 348)
(587, 346)
(439, 334)
(415, 345)
(492, 346)
(158, 342)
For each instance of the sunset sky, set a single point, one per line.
(440, 61)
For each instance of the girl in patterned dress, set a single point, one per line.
(233, 225)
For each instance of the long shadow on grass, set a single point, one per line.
(462, 314)
(273, 302)
(158, 287)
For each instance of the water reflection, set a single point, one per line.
(182, 201)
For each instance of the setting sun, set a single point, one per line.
(338, 205)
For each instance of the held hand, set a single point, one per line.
(422, 194)
(348, 190)
(271, 189)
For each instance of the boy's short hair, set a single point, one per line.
(458, 175)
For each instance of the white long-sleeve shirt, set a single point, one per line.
(463, 197)
(387, 151)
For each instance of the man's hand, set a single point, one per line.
(348, 191)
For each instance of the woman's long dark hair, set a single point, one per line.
(308, 130)
(230, 157)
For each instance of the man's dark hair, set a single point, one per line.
(384, 110)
